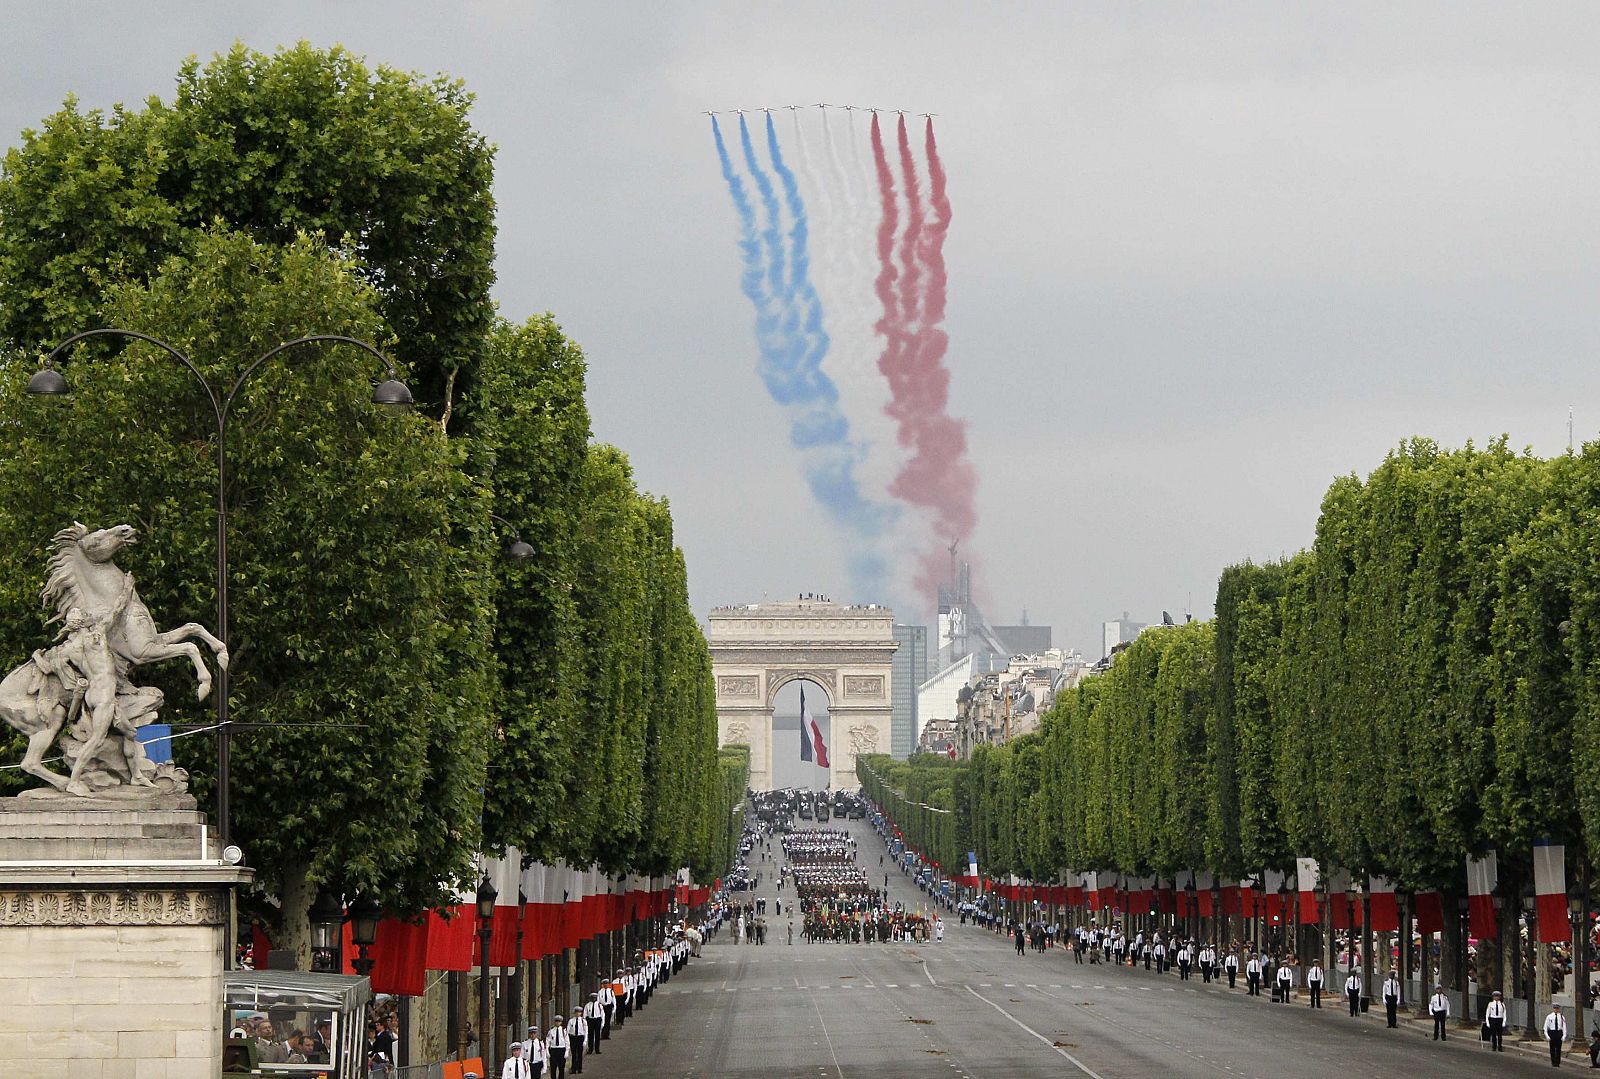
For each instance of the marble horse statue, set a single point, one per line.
(79, 690)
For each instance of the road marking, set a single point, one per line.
(1074, 1061)
(825, 1034)
(929, 972)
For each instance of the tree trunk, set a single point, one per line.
(294, 916)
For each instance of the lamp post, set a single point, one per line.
(49, 382)
(364, 915)
(518, 550)
(486, 897)
(515, 1018)
(327, 920)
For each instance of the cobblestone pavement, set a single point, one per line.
(970, 1007)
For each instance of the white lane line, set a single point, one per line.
(825, 1034)
(1074, 1061)
(929, 972)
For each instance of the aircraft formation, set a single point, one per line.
(815, 105)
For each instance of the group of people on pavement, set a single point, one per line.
(1163, 953)
(551, 1053)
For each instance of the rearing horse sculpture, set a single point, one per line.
(51, 688)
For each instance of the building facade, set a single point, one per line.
(910, 671)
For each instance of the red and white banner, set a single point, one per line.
(1550, 891)
(1385, 908)
(1482, 876)
(1306, 874)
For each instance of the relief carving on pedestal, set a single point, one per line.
(863, 739)
(133, 907)
(863, 685)
(737, 685)
(738, 731)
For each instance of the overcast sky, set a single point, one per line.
(1204, 257)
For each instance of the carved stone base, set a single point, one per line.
(114, 910)
(119, 799)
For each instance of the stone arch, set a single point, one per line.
(758, 649)
(827, 681)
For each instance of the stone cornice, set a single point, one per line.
(132, 906)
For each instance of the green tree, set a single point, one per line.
(359, 575)
(302, 141)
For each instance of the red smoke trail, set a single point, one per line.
(938, 475)
(890, 324)
(910, 255)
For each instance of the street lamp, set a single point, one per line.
(364, 915)
(486, 897)
(518, 550)
(515, 1018)
(391, 392)
(327, 920)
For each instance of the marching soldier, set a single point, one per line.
(1391, 997)
(1352, 991)
(1314, 983)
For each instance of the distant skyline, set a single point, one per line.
(1204, 259)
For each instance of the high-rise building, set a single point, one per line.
(910, 670)
(1119, 631)
(1024, 640)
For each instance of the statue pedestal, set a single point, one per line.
(112, 919)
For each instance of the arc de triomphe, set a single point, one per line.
(758, 649)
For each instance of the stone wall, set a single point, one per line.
(110, 1002)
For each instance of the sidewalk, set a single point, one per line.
(1461, 1034)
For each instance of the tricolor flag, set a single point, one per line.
(805, 727)
(972, 865)
(822, 747)
(1482, 875)
(1550, 891)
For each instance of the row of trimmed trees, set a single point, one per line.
(1418, 688)
(413, 696)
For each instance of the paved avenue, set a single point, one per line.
(969, 1007)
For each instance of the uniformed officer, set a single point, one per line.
(1494, 1017)
(515, 1067)
(595, 1016)
(534, 1054)
(1185, 957)
(577, 1035)
(1439, 1009)
(1252, 974)
(1208, 963)
(1352, 991)
(556, 1043)
(1160, 951)
(608, 1004)
(1285, 982)
(1391, 997)
(1555, 1031)
(1231, 965)
(1314, 983)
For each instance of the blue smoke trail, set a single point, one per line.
(792, 342)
